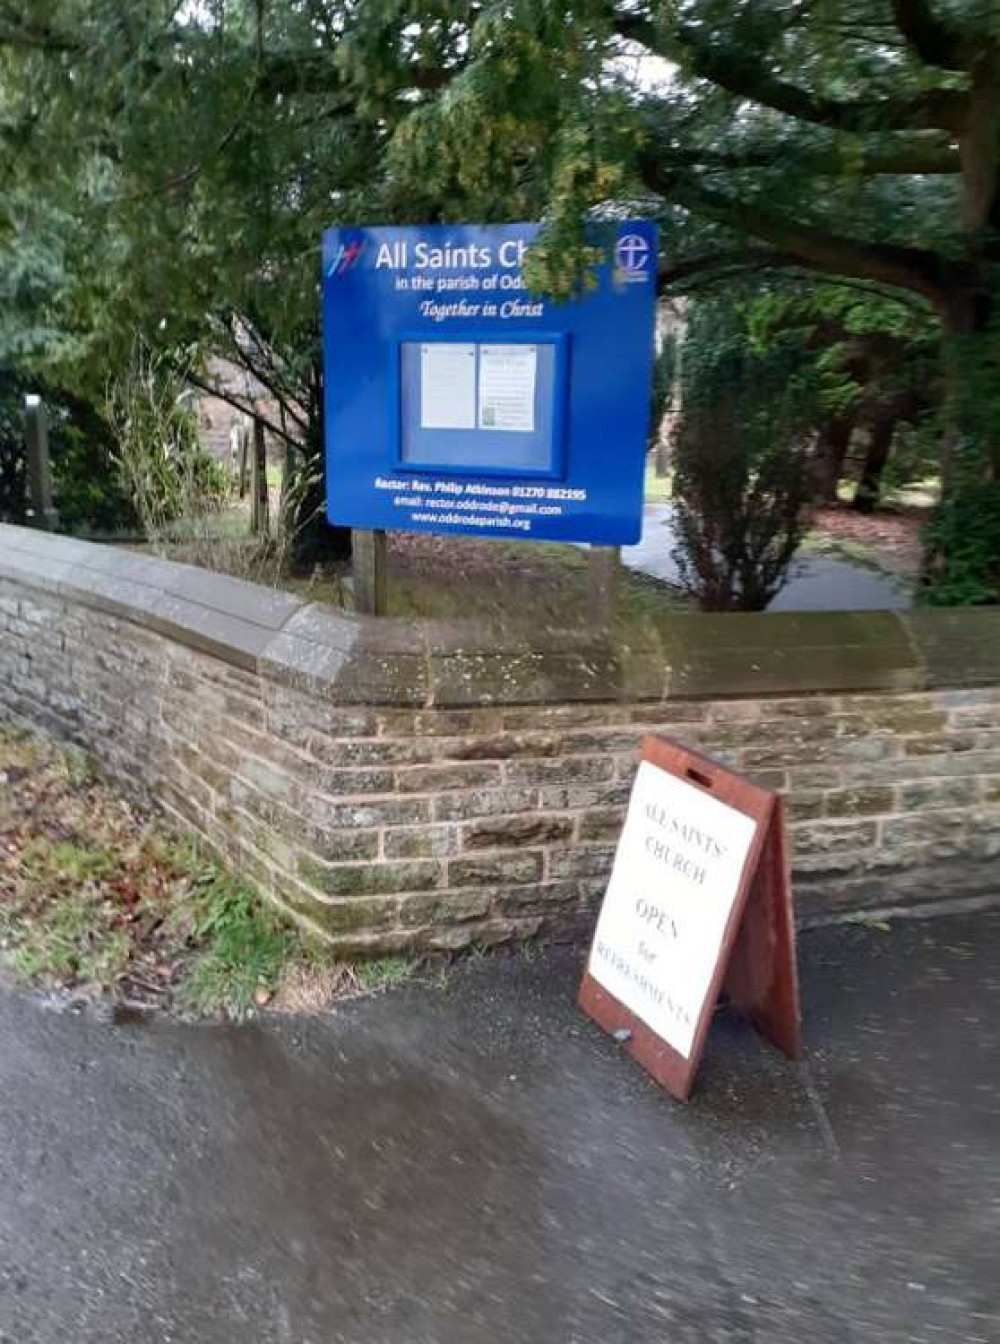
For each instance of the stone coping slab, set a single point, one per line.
(350, 659)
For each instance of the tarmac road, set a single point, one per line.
(478, 1165)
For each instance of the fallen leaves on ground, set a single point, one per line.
(893, 538)
(88, 882)
(98, 897)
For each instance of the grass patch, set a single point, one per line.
(96, 896)
(374, 975)
(521, 585)
(245, 947)
(657, 489)
(84, 881)
(69, 940)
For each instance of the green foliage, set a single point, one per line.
(63, 946)
(812, 307)
(244, 945)
(94, 894)
(973, 364)
(13, 482)
(160, 463)
(876, 358)
(963, 539)
(70, 937)
(383, 974)
(73, 863)
(840, 326)
(58, 928)
(965, 532)
(785, 138)
(86, 489)
(741, 467)
(916, 454)
(198, 233)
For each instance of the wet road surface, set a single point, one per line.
(475, 1164)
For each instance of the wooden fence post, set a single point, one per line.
(42, 512)
(259, 513)
(242, 456)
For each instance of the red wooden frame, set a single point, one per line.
(755, 965)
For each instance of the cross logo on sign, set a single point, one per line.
(631, 256)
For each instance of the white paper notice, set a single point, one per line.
(507, 387)
(675, 879)
(447, 386)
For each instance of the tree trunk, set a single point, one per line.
(971, 437)
(879, 446)
(315, 540)
(957, 322)
(831, 452)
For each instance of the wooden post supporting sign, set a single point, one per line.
(369, 550)
(699, 903)
(603, 578)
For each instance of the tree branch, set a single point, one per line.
(255, 368)
(941, 109)
(899, 267)
(317, 72)
(239, 404)
(929, 36)
(980, 172)
(707, 263)
(933, 157)
(710, 268)
(38, 37)
(931, 109)
(288, 71)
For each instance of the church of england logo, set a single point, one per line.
(631, 258)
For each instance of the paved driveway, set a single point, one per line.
(478, 1165)
(817, 582)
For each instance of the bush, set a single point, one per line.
(86, 489)
(161, 465)
(743, 470)
(965, 534)
(13, 484)
(88, 494)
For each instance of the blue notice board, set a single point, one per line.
(458, 402)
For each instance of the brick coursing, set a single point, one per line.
(390, 829)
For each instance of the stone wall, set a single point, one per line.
(404, 785)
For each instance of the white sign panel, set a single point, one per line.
(507, 387)
(675, 879)
(448, 385)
